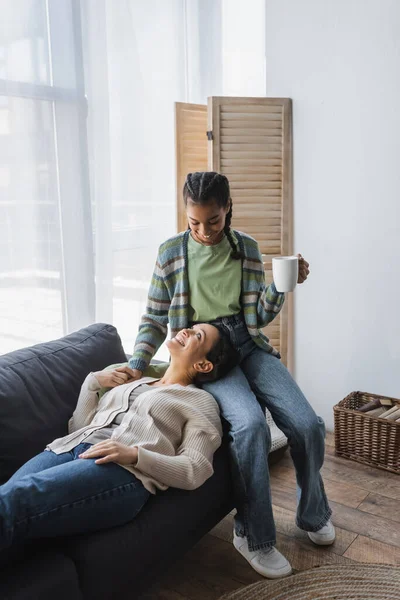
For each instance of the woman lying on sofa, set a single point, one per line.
(140, 436)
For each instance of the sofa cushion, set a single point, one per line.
(39, 389)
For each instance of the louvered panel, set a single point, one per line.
(258, 193)
(265, 186)
(235, 149)
(254, 177)
(267, 120)
(274, 140)
(250, 162)
(230, 170)
(191, 148)
(252, 146)
(231, 126)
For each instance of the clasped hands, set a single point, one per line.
(112, 377)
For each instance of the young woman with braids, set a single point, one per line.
(214, 274)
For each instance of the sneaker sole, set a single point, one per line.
(322, 542)
(258, 570)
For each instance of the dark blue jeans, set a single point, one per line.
(261, 380)
(58, 494)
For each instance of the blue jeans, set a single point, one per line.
(59, 494)
(260, 381)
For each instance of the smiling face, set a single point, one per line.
(206, 221)
(191, 346)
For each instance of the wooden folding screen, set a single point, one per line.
(191, 148)
(249, 141)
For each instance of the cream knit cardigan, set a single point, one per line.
(176, 429)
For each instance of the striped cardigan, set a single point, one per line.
(168, 300)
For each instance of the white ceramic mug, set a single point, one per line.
(285, 270)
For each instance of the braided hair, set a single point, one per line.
(206, 186)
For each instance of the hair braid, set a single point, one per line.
(214, 180)
(188, 184)
(236, 253)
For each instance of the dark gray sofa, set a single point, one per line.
(39, 388)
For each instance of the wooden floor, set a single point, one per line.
(365, 504)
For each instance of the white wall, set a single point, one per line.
(243, 47)
(339, 60)
(225, 47)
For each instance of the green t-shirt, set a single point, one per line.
(214, 281)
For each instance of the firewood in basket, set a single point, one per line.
(377, 412)
(394, 415)
(375, 403)
(388, 413)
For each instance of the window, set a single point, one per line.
(43, 175)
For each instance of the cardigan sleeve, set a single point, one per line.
(153, 327)
(192, 464)
(87, 404)
(270, 301)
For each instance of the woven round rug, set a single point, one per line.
(331, 582)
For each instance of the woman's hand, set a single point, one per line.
(304, 271)
(111, 379)
(111, 451)
(133, 374)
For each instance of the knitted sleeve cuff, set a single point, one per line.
(93, 383)
(274, 291)
(137, 363)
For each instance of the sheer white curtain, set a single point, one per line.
(135, 71)
(87, 171)
(87, 148)
(45, 228)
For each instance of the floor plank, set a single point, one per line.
(163, 594)
(305, 555)
(378, 528)
(330, 439)
(224, 529)
(285, 524)
(345, 493)
(209, 551)
(376, 504)
(365, 550)
(211, 568)
(371, 479)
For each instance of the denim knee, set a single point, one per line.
(252, 429)
(308, 433)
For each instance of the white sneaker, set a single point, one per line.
(324, 536)
(268, 562)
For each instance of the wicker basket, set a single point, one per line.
(364, 438)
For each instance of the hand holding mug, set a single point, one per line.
(304, 270)
(288, 271)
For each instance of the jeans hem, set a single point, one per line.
(254, 547)
(321, 524)
(264, 546)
